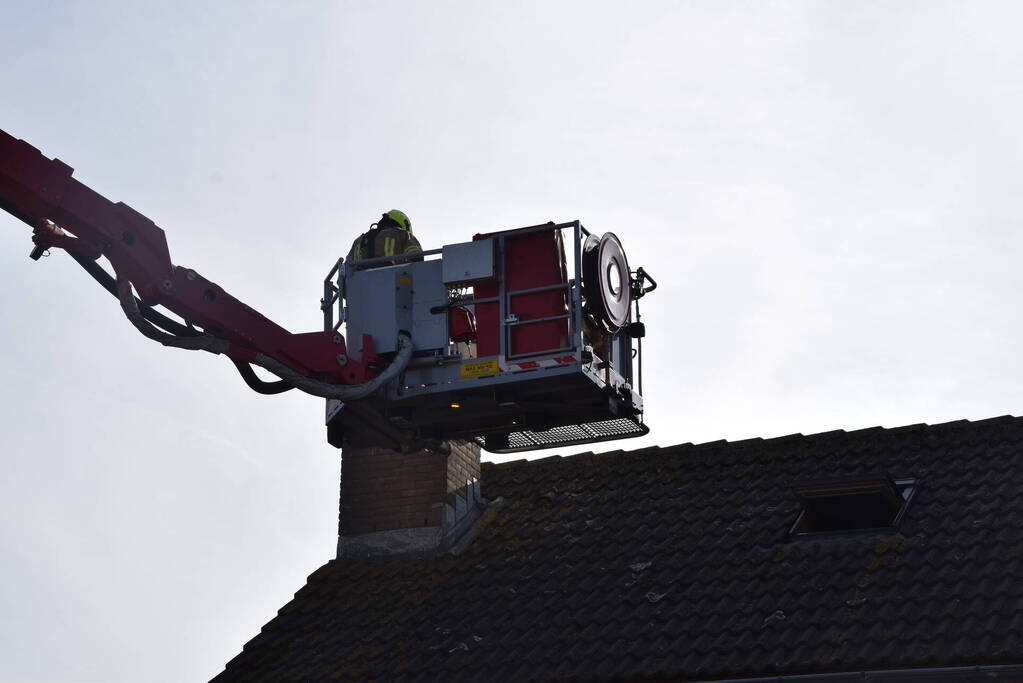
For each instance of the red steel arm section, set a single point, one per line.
(36, 189)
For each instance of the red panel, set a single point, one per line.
(531, 260)
(461, 325)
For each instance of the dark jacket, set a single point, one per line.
(383, 241)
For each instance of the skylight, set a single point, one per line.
(852, 504)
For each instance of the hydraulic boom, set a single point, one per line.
(512, 339)
(65, 214)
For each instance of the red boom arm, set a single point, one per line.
(42, 193)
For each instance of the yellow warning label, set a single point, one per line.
(478, 368)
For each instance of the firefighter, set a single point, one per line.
(390, 236)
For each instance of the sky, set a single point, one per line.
(827, 192)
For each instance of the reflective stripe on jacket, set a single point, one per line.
(388, 242)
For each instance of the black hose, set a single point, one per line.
(149, 322)
(205, 342)
(258, 385)
(107, 282)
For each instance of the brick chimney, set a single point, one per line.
(406, 504)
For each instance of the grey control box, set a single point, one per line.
(384, 301)
(468, 262)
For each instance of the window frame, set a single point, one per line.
(905, 487)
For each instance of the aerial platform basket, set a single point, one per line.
(518, 345)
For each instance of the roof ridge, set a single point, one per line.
(755, 441)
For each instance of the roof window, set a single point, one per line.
(853, 504)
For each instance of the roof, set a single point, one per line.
(676, 564)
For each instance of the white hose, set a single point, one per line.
(342, 392)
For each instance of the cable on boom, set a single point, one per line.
(107, 282)
(350, 392)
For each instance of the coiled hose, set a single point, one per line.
(107, 282)
(342, 392)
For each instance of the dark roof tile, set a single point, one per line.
(675, 562)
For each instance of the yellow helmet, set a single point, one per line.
(400, 218)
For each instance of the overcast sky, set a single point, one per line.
(827, 192)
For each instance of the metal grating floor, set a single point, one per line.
(569, 435)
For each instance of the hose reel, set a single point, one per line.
(606, 282)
